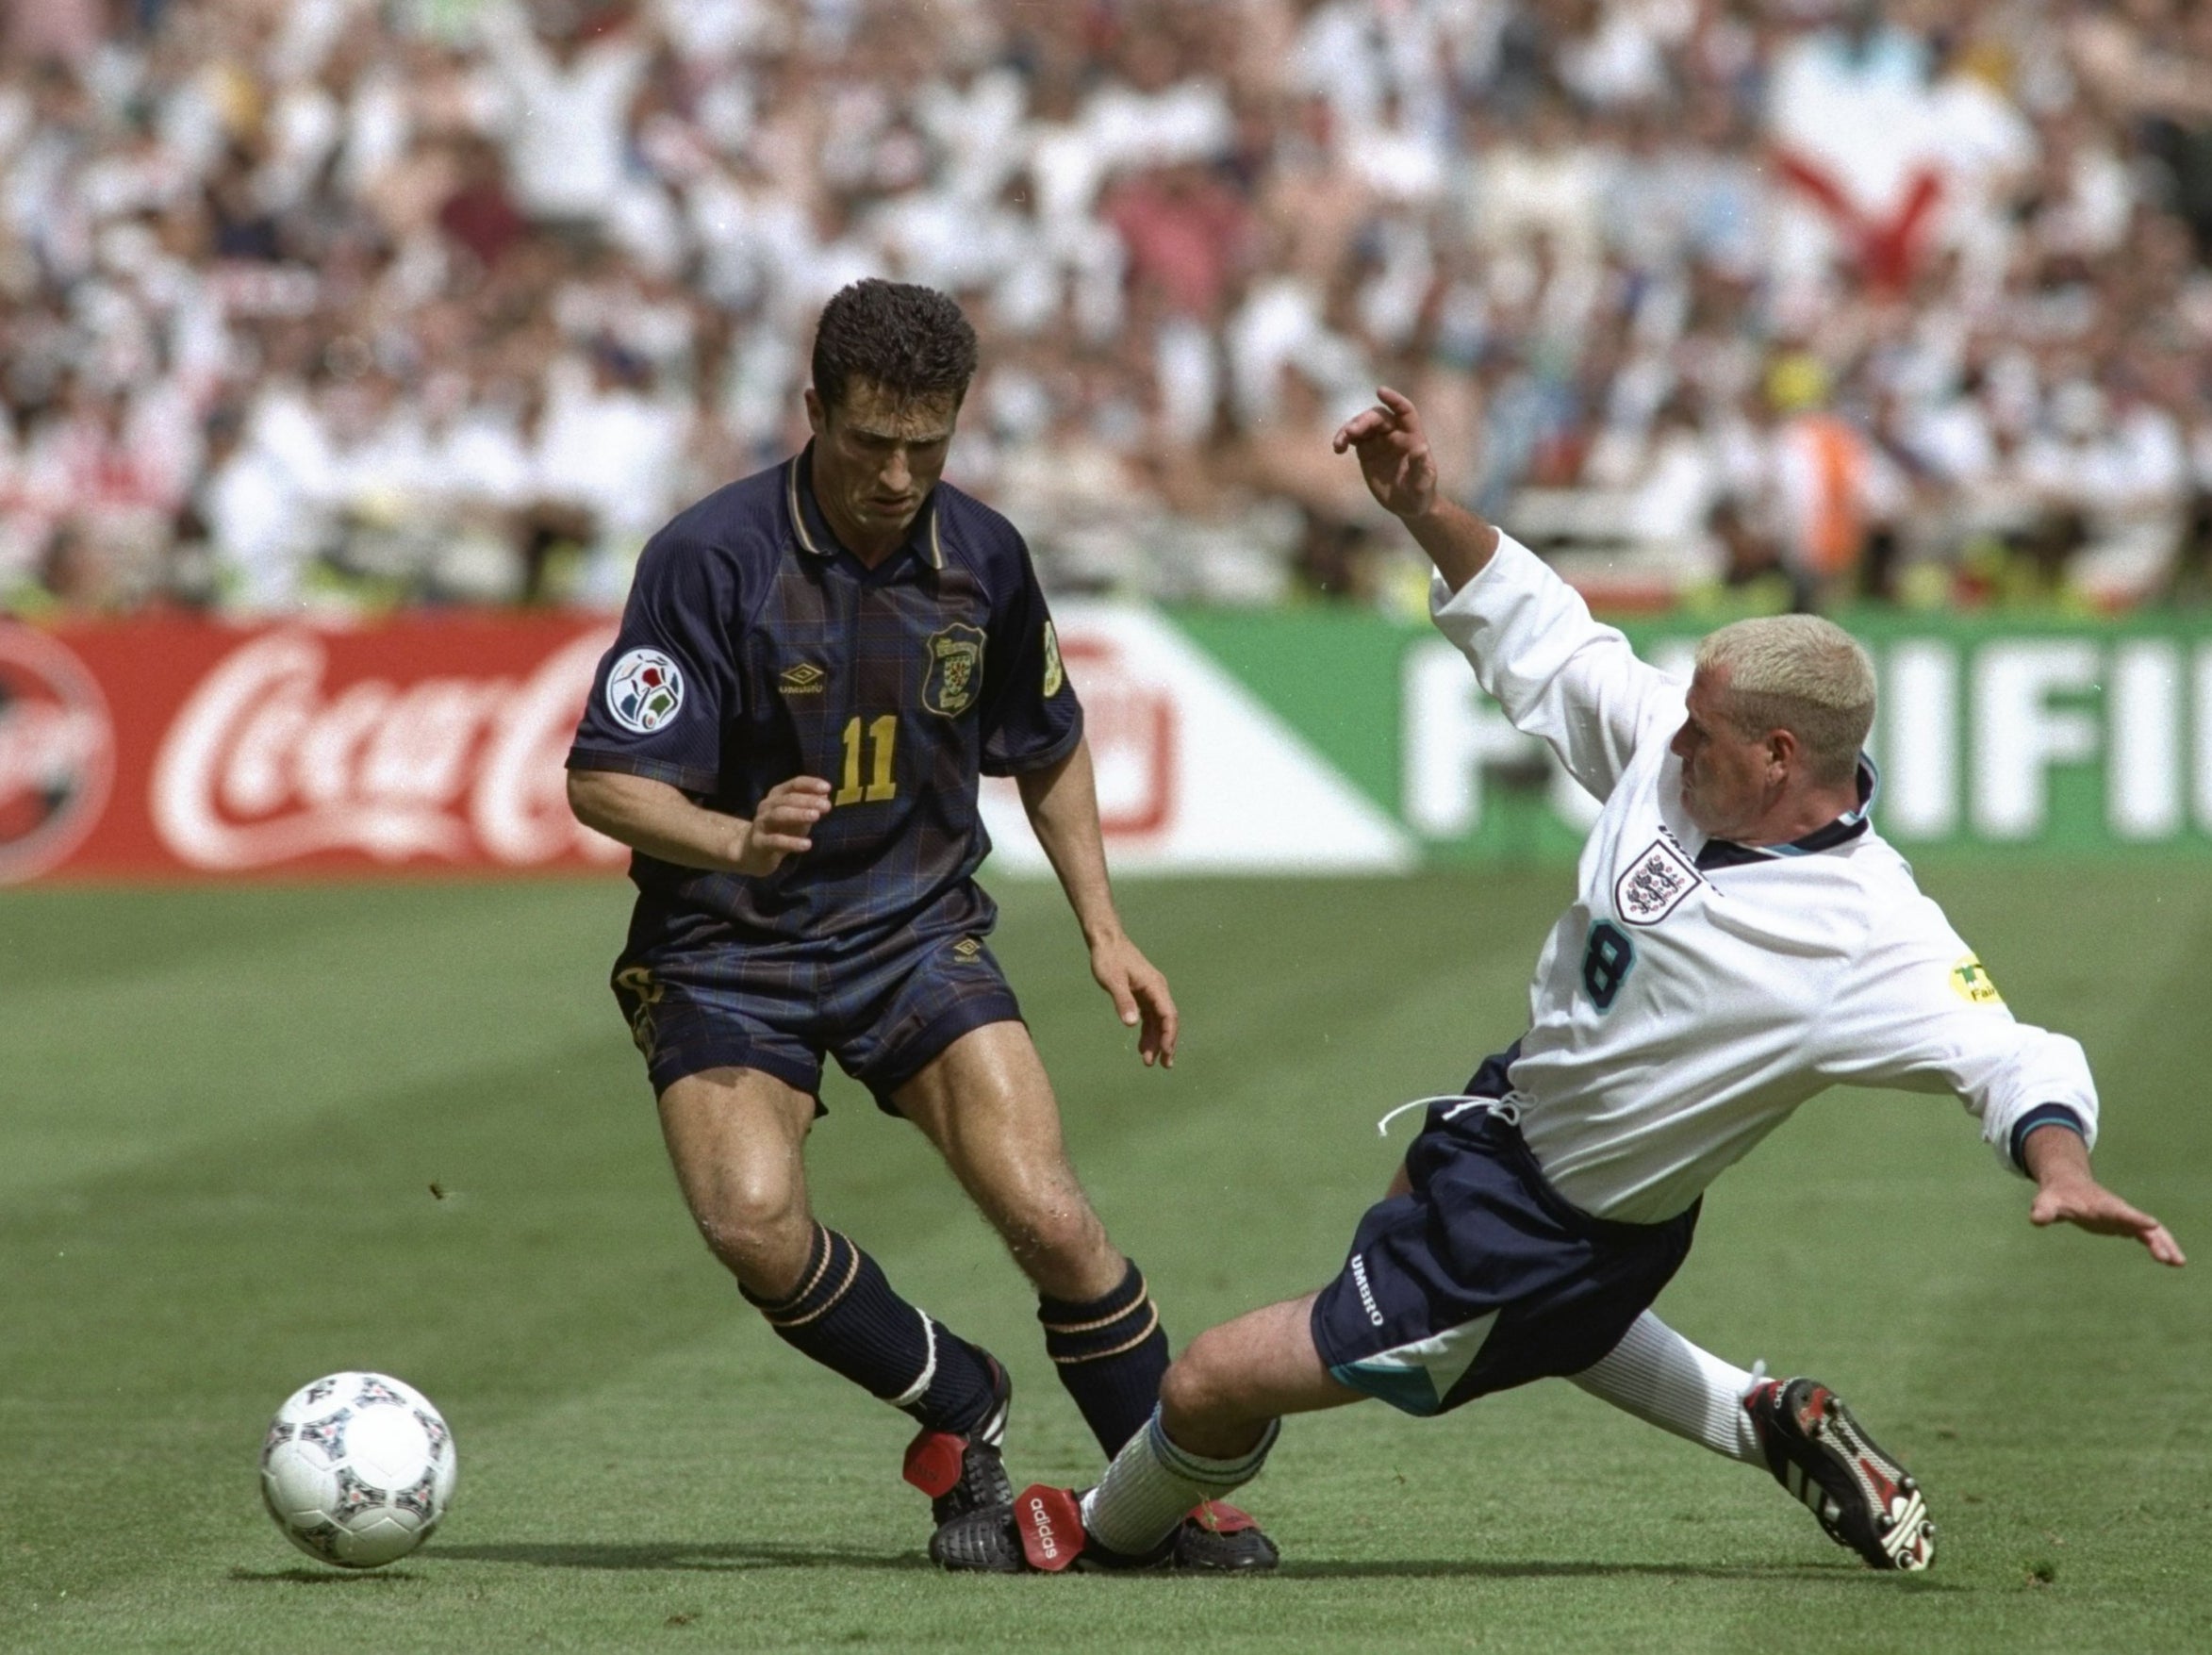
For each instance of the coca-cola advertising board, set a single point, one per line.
(434, 744)
(181, 747)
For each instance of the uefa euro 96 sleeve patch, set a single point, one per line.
(644, 691)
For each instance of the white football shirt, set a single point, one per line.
(1679, 1016)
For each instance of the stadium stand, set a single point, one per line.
(338, 304)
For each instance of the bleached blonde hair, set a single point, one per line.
(1799, 674)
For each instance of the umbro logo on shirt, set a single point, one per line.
(805, 679)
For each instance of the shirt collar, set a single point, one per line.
(812, 529)
(1728, 854)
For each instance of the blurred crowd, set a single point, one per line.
(1763, 303)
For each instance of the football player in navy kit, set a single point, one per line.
(815, 666)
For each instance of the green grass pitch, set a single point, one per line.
(221, 1114)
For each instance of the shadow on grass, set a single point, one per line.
(683, 1554)
(1837, 1574)
(311, 1577)
(733, 1556)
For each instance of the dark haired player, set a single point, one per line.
(815, 666)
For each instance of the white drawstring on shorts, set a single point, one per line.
(1504, 1109)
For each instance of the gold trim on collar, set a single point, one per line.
(798, 512)
(807, 540)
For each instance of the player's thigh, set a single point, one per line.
(1259, 1366)
(987, 1105)
(737, 1139)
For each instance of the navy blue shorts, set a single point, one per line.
(1483, 1277)
(883, 1013)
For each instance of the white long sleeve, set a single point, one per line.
(1919, 1013)
(1557, 674)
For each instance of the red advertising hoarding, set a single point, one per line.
(177, 747)
(429, 743)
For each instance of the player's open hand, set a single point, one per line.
(2067, 1192)
(2088, 1205)
(784, 824)
(1393, 453)
(1140, 995)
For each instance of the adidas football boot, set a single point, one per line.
(980, 1542)
(1043, 1532)
(1217, 1535)
(965, 1474)
(1863, 1498)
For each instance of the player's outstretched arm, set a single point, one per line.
(2067, 1192)
(1400, 472)
(1062, 800)
(658, 820)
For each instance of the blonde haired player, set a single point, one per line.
(1741, 940)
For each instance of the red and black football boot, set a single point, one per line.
(1862, 1496)
(965, 1474)
(1218, 1537)
(1041, 1532)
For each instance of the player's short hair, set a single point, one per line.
(1799, 674)
(897, 335)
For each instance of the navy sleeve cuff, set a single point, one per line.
(2042, 1115)
(682, 776)
(1040, 758)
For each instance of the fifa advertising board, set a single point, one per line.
(1994, 733)
(1283, 742)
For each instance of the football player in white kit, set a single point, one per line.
(1741, 940)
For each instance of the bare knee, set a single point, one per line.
(1204, 1403)
(735, 1137)
(759, 1226)
(1061, 1245)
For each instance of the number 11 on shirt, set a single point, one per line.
(882, 735)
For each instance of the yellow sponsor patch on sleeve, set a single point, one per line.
(1054, 674)
(1971, 981)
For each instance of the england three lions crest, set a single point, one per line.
(1655, 885)
(955, 672)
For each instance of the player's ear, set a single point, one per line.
(818, 417)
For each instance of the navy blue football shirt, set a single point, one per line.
(755, 648)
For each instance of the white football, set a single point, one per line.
(358, 1469)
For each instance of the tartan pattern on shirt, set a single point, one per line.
(901, 685)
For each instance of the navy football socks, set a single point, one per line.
(847, 1317)
(1111, 1353)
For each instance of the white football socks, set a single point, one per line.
(1153, 1485)
(1664, 1380)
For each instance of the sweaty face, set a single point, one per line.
(1728, 778)
(877, 454)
